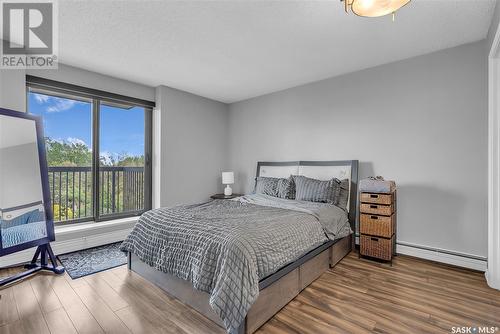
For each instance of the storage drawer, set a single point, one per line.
(378, 247)
(377, 209)
(313, 269)
(381, 226)
(376, 198)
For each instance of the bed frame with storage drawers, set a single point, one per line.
(281, 287)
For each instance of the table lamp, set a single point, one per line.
(228, 178)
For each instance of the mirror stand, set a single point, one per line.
(26, 215)
(45, 253)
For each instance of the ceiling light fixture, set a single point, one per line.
(374, 8)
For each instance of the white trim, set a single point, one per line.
(157, 147)
(493, 269)
(87, 227)
(156, 161)
(77, 237)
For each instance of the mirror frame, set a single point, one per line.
(44, 179)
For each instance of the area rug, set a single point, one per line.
(93, 260)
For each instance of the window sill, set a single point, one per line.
(115, 224)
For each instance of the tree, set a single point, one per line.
(131, 161)
(73, 193)
(67, 154)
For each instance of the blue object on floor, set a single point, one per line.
(93, 260)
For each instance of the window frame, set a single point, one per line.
(65, 90)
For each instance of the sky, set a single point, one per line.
(122, 130)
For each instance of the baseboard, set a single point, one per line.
(66, 246)
(441, 255)
(71, 245)
(493, 282)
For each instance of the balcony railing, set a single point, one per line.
(121, 189)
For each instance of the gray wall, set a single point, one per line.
(13, 90)
(193, 151)
(13, 84)
(421, 122)
(80, 77)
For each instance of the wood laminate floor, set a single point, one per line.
(357, 296)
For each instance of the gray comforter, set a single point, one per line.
(225, 247)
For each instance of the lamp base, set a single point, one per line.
(228, 191)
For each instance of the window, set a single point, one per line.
(98, 150)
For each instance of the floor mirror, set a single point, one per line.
(26, 219)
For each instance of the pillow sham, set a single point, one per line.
(332, 191)
(277, 187)
(343, 194)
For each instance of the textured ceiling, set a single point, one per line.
(234, 50)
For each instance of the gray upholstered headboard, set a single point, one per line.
(321, 170)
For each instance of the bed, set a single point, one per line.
(240, 274)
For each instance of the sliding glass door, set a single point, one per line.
(98, 150)
(121, 159)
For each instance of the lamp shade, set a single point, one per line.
(227, 178)
(376, 8)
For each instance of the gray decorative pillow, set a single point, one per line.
(343, 197)
(266, 186)
(277, 187)
(332, 191)
(286, 188)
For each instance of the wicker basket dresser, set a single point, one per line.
(377, 225)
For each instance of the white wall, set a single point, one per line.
(421, 122)
(193, 134)
(493, 270)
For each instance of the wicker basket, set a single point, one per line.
(377, 209)
(378, 247)
(377, 198)
(382, 226)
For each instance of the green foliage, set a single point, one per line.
(64, 154)
(121, 190)
(62, 214)
(128, 161)
(67, 154)
(122, 160)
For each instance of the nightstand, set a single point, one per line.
(222, 196)
(377, 225)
